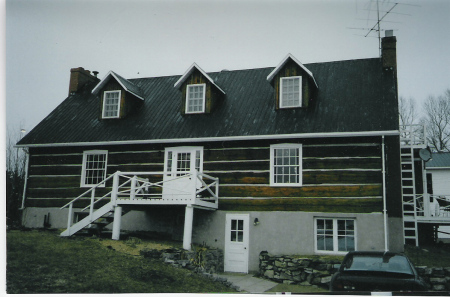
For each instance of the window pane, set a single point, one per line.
(111, 104)
(290, 95)
(286, 165)
(195, 98)
(94, 168)
(329, 243)
(240, 224)
(233, 236)
(240, 236)
(346, 239)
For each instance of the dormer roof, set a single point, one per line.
(126, 84)
(284, 61)
(189, 72)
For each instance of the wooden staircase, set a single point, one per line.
(99, 218)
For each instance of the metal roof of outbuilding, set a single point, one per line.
(439, 160)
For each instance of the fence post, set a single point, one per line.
(187, 234)
(69, 218)
(91, 209)
(133, 188)
(426, 204)
(115, 188)
(117, 222)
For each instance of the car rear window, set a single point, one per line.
(397, 264)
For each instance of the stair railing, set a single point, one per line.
(91, 205)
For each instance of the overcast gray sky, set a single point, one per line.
(46, 38)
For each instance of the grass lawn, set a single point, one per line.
(43, 262)
(431, 256)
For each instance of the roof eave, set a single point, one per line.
(224, 138)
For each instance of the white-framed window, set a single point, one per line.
(286, 165)
(291, 91)
(335, 235)
(94, 167)
(111, 104)
(195, 98)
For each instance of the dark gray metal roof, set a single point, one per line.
(439, 160)
(353, 96)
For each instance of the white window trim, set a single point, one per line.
(83, 169)
(182, 149)
(272, 163)
(203, 99)
(281, 92)
(104, 103)
(335, 250)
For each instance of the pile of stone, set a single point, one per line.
(438, 277)
(293, 270)
(204, 261)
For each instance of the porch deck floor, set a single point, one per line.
(248, 283)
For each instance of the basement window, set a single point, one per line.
(94, 167)
(195, 98)
(334, 235)
(111, 104)
(290, 92)
(286, 165)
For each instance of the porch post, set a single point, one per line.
(188, 219)
(116, 222)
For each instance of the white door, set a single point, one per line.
(236, 242)
(180, 161)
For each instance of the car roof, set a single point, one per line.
(374, 253)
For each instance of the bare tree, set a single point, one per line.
(407, 111)
(437, 120)
(15, 176)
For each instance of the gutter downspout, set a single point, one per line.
(25, 180)
(384, 197)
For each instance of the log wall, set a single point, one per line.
(339, 175)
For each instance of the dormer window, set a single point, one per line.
(195, 98)
(111, 104)
(290, 91)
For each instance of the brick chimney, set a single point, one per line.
(79, 77)
(389, 51)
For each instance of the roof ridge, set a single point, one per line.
(256, 68)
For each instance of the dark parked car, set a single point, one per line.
(377, 271)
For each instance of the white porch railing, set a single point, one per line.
(136, 188)
(413, 135)
(430, 206)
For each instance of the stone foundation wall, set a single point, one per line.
(292, 270)
(304, 271)
(437, 277)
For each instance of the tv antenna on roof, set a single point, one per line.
(378, 24)
(379, 19)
